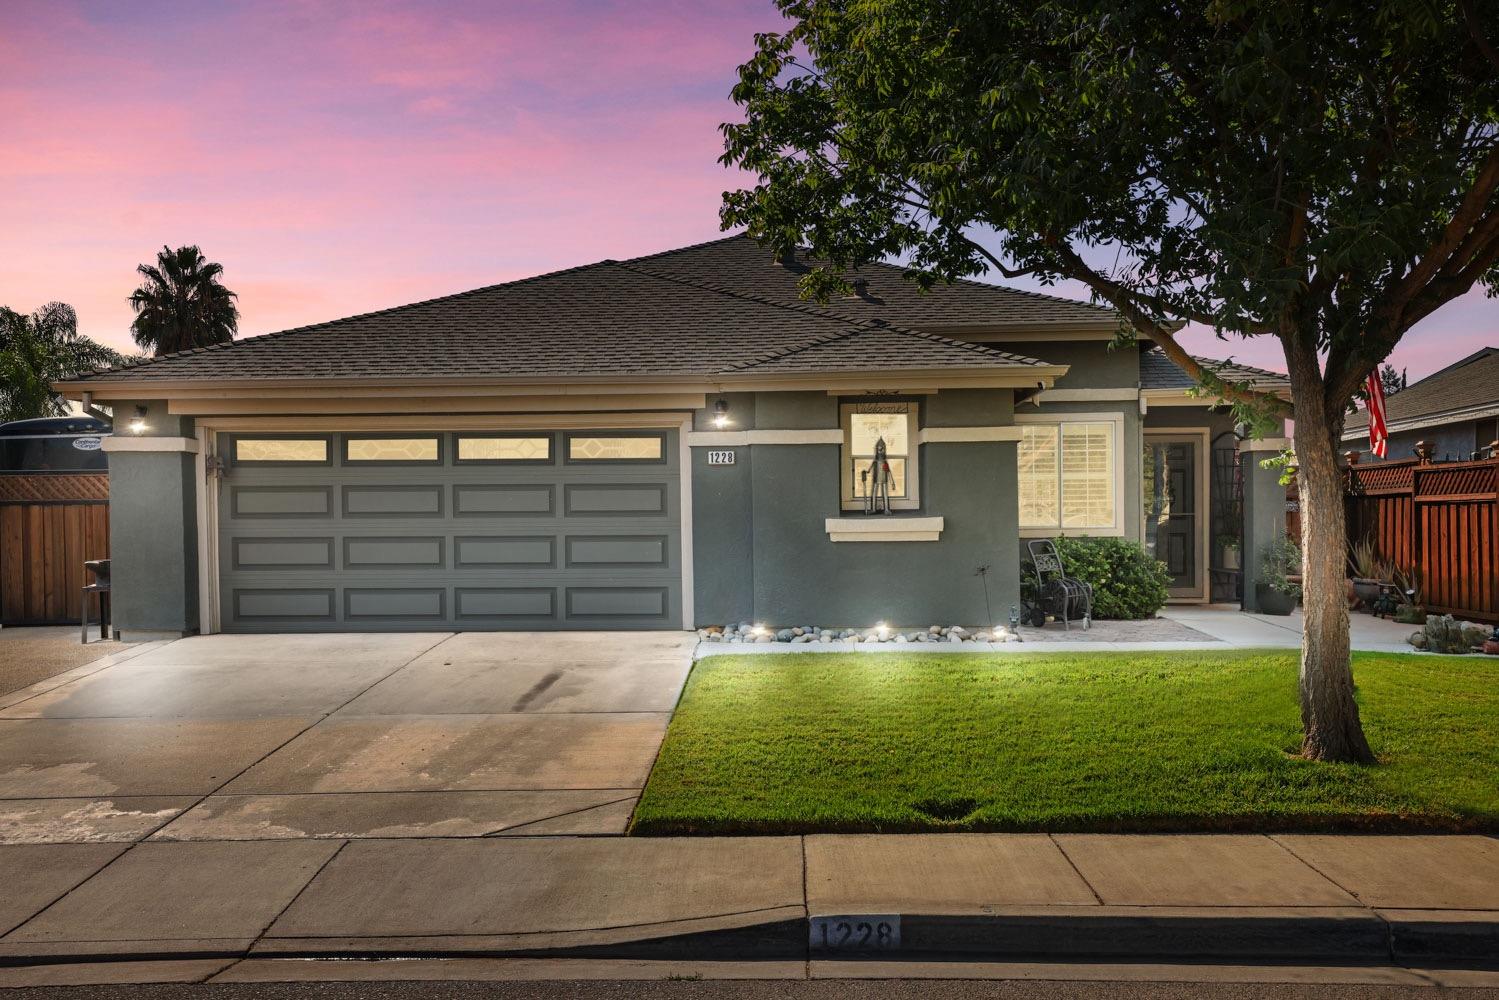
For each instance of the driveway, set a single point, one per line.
(236, 737)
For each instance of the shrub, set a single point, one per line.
(1127, 583)
(1279, 561)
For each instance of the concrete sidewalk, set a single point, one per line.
(1376, 900)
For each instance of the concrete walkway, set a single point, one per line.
(1423, 901)
(1184, 626)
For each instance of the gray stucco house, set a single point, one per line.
(664, 442)
(1455, 411)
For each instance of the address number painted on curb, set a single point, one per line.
(864, 933)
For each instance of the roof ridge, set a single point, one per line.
(691, 246)
(742, 234)
(962, 279)
(143, 361)
(811, 310)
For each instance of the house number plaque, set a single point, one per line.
(720, 458)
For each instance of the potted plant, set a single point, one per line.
(1412, 610)
(1274, 589)
(1369, 571)
(1229, 546)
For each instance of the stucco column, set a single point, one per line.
(153, 525)
(1264, 507)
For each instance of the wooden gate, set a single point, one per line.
(1441, 518)
(50, 524)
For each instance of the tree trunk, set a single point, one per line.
(1329, 715)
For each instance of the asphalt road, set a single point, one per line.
(753, 990)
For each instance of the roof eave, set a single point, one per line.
(993, 376)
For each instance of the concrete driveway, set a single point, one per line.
(292, 737)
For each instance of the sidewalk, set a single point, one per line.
(1409, 901)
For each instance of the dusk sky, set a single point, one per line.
(341, 158)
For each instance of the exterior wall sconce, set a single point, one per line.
(721, 413)
(138, 423)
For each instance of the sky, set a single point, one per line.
(339, 158)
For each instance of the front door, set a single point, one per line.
(1174, 511)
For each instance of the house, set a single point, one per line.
(663, 442)
(1455, 411)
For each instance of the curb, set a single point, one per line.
(1072, 934)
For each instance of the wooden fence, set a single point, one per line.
(50, 524)
(1442, 518)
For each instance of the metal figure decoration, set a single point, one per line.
(876, 481)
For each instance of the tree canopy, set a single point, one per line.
(1322, 173)
(1259, 168)
(182, 304)
(39, 349)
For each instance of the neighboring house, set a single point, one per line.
(1455, 411)
(663, 442)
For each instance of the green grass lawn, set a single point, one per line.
(1064, 741)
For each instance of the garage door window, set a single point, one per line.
(535, 449)
(391, 451)
(278, 450)
(616, 448)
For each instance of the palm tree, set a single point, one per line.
(40, 349)
(181, 304)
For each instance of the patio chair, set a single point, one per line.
(1057, 593)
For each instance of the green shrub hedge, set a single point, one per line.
(1127, 583)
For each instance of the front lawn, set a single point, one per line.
(1066, 741)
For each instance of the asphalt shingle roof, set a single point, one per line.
(713, 309)
(742, 263)
(1464, 385)
(1159, 372)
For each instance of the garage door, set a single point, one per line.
(533, 530)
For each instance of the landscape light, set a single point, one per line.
(883, 629)
(137, 423)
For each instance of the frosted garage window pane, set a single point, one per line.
(517, 449)
(614, 449)
(391, 449)
(280, 450)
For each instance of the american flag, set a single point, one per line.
(1379, 435)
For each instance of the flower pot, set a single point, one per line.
(1366, 589)
(1231, 557)
(1272, 601)
(1491, 646)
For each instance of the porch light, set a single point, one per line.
(721, 413)
(137, 423)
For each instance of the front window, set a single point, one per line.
(864, 426)
(1068, 476)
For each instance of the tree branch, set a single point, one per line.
(1121, 299)
(1475, 31)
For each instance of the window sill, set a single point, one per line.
(884, 528)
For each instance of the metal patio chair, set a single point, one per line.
(1057, 593)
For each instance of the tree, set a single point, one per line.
(1390, 380)
(1321, 173)
(40, 349)
(181, 304)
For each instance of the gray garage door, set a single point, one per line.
(366, 532)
